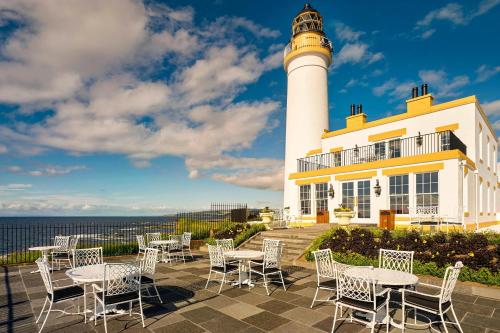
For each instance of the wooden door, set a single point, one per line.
(322, 216)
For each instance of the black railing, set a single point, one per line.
(117, 235)
(412, 146)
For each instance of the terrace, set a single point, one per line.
(189, 307)
(384, 150)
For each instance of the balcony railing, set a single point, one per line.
(310, 41)
(394, 148)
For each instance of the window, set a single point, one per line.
(480, 142)
(395, 148)
(348, 195)
(445, 140)
(398, 193)
(487, 160)
(321, 197)
(305, 199)
(337, 159)
(364, 199)
(427, 189)
(380, 150)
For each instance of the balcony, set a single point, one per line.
(310, 41)
(383, 150)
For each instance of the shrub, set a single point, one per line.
(240, 232)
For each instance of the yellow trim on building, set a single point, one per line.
(487, 224)
(466, 171)
(450, 127)
(466, 214)
(336, 149)
(402, 219)
(393, 162)
(387, 135)
(301, 224)
(359, 175)
(313, 180)
(314, 152)
(414, 169)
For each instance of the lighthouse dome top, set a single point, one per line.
(308, 19)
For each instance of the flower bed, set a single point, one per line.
(433, 252)
(239, 232)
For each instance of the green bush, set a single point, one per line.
(240, 232)
(199, 229)
(433, 252)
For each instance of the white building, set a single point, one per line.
(439, 156)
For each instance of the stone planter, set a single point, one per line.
(344, 218)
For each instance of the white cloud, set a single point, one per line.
(14, 169)
(15, 187)
(453, 13)
(344, 32)
(98, 74)
(395, 89)
(55, 170)
(3, 149)
(492, 108)
(485, 72)
(444, 86)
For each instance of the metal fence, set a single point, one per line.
(117, 235)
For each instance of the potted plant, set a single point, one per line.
(344, 215)
(266, 215)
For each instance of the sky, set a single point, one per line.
(128, 107)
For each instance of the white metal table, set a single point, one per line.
(245, 256)
(45, 252)
(163, 243)
(385, 277)
(91, 274)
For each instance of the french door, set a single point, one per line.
(356, 196)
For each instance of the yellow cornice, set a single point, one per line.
(393, 162)
(358, 175)
(406, 115)
(313, 152)
(450, 127)
(336, 149)
(414, 169)
(313, 180)
(387, 135)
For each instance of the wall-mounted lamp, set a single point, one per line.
(331, 192)
(356, 150)
(420, 140)
(377, 189)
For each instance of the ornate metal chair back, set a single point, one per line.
(148, 264)
(216, 256)
(141, 242)
(449, 281)
(62, 242)
(324, 263)
(272, 256)
(396, 260)
(269, 242)
(44, 269)
(86, 257)
(121, 279)
(225, 244)
(73, 243)
(186, 239)
(178, 242)
(357, 288)
(153, 236)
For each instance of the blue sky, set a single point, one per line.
(144, 108)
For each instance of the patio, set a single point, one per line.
(189, 307)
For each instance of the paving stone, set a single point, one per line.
(307, 292)
(180, 327)
(304, 316)
(295, 328)
(224, 325)
(284, 296)
(340, 327)
(220, 301)
(266, 320)
(481, 321)
(461, 297)
(235, 292)
(488, 302)
(202, 314)
(252, 298)
(462, 308)
(276, 306)
(241, 310)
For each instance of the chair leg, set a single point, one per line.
(95, 311)
(335, 317)
(265, 284)
(222, 282)
(373, 323)
(443, 322)
(105, 321)
(387, 317)
(46, 317)
(157, 293)
(85, 302)
(282, 281)
(140, 308)
(249, 277)
(403, 314)
(208, 280)
(130, 309)
(456, 319)
(43, 308)
(315, 295)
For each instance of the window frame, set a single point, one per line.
(402, 199)
(305, 199)
(424, 189)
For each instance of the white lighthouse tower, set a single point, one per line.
(306, 61)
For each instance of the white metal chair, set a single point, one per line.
(148, 269)
(327, 272)
(218, 265)
(57, 294)
(141, 244)
(360, 294)
(121, 284)
(438, 303)
(66, 255)
(396, 260)
(271, 265)
(86, 257)
(175, 250)
(225, 244)
(153, 236)
(186, 243)
(62, 253)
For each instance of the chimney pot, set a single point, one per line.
(414, 92)
(424, 88)
(360, 108)
(353, 109)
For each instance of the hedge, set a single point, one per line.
(433, 252)
(239, 232)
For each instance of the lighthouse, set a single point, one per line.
(306, 61)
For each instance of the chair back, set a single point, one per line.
(324, 264)
(73, 242)
(396, 260)
(148, 264)
(272, 256)
(449, 281)
(86, 257)
(186, 239)
(178, 242)
(357, 288)
(427, 210)
(225, 244)
(44, 269)
(62, 242)
(141, 242)
(121, 279)
(216, 256)
(153, 236)
(269, 242)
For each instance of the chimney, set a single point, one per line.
(360, 108)
(353, 109)
(357, 119)
(414, 92)
(424, 89)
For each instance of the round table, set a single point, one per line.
(385, 277)
(244, 255)
(45, 252)
(162, 244)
